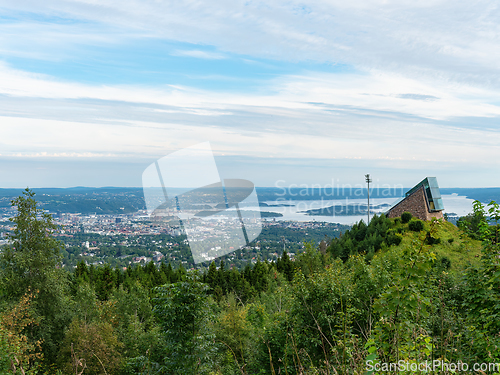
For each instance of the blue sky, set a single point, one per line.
(287, 92)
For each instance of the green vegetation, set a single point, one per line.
(406, 217)
(416, 225)
(382, 292)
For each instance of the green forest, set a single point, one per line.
(394, 291)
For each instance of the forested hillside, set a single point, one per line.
(394, 290)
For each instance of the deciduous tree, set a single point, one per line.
(30, 262)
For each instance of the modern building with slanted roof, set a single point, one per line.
(422, 201)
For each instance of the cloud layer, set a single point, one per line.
(386, 86)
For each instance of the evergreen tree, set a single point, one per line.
(170, 274)
(105, 282)
(212, 275)
(285, 266)
(221, 277)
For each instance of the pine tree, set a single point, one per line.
(212, 275)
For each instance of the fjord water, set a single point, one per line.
(454, 205)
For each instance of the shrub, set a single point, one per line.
(397, 220)
(432, 240)
(416, 225)
(406, 217)
(394, 239)
(445, 263)
(450, 240)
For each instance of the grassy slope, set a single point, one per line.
(462, 251)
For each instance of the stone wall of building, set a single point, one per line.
(417, 205)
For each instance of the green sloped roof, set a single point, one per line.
(431, 189)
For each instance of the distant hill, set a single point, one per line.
(116, 200)
(82, 200)
(484, 195)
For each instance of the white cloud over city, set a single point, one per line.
(397, 89)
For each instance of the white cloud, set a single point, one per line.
(425, 78)
(318, 116)
(459, 40)
(55, 41)
(199, 54)
(64, 155)
(374, 91)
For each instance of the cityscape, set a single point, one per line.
(249, 187)
(136, 238)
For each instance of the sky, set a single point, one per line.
(286, 92)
